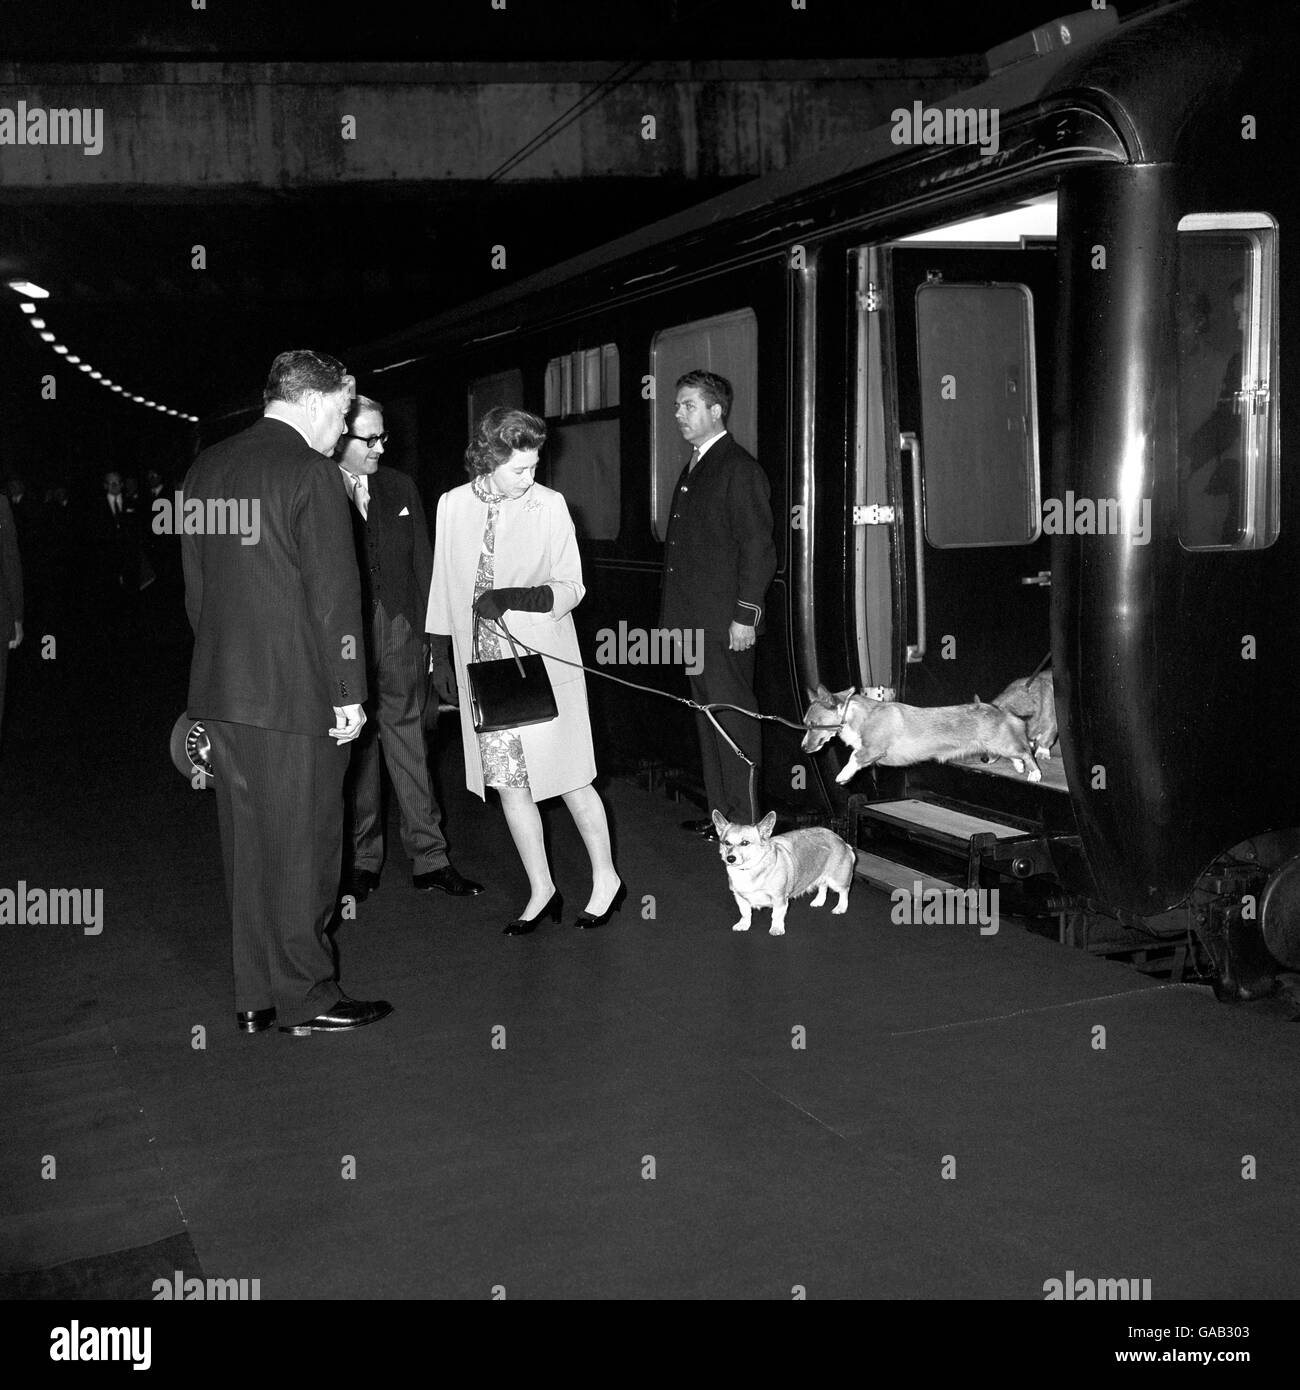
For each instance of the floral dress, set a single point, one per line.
(502, 752)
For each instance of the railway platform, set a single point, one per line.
(865, 1108)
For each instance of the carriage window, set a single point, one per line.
(979, 413)
(1228, 465)
(582, 447)
(502, 388)
(582, 381)
(728, 345)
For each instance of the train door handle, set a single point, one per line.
(1043, 579)
(910, 444)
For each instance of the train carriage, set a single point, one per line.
(1013, 366)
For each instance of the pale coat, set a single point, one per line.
(535, 544)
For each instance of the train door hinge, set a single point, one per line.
(873, 515)
(869, 299)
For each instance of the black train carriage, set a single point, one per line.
(1017, 394)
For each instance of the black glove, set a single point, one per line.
(442, 674)
(492, 603)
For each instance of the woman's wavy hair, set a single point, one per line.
(499, 433)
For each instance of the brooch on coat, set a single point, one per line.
(534, 504)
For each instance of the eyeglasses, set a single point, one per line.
(369, 440)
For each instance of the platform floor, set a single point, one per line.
(649, 1129)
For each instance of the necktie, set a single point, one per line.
(360, 493)
(695, 458)
(116, 501)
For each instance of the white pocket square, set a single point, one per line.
(406, 511)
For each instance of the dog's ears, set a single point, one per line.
(720, 823)
(843, 694)
(822, 693)
(767, 824)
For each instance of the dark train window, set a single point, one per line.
(501, 388)
(726, 344)
(1228, 463)
(979, 414)
(582, 454)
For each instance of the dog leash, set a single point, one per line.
(705, 709)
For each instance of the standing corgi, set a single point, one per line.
(766, 870)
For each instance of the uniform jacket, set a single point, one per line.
(394, 557)
(719, 555)
(11, 574)
(278, 637)
(535, 544)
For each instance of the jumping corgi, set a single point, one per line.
(1033, 699)
(899, 735)
(766, 870)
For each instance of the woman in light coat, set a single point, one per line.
(505, 550)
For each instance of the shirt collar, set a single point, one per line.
(704, 448)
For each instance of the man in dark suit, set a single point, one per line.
(719, 559)
(396, 565)
(278, 679)
(11, 595)
(113, 543)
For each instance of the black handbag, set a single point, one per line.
(509, 693)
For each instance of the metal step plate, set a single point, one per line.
(884, 873)
(939, 820)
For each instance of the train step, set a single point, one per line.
(956, 832)
(889, 874)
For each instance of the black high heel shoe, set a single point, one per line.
(521, 926)
(586, 921)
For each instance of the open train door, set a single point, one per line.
(972, 338)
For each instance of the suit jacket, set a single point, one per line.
(394, 556)
(113, 542)
(11, 574)
(719, 555)
(535, 544)
(278, 636)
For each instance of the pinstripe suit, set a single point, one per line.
(278, 642)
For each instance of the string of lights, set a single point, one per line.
(29, 295)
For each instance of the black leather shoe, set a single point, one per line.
(586, 921)
(521, 926)
(450, 880)
(703, 828)
(347, 1013)
(255, 1020)
(363, 883)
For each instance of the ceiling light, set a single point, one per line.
(59, 348)
(86, 367)
(28, 308)
(47, 337)
(74, 359)
(26, 287)
(137, 398)
(37, 323)
(97, 376)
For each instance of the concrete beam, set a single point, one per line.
(279, 126)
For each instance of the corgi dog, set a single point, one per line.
(898, 735)
(766, 870)
(1033, 699)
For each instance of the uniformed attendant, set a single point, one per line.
(719, 560)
